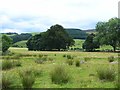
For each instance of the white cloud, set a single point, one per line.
(11, 30)
(41, 14)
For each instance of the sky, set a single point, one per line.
(23, 16)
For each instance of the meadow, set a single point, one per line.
(81, 67)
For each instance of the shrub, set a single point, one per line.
(7, 80)
(70, 62)
(27, 78)
(7, 64)
(77, 63)
(111, 58)
(69, 57)
(106, 73)
(87, 59)
(59, 75)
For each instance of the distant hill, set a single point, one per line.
(76, 33)
(21, 44)
(90, 31)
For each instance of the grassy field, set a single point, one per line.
(84, 76)
(21, 44)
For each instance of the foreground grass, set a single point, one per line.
(84, 76)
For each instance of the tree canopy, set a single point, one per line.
(6, 43)
(108, 33)
(90, 43)
(55, 38)
(20, 37)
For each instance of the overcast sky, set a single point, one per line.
(38, 15)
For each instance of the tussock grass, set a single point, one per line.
(69, 61)
(41, 60)
(87, 59)
(69, 57)
(59, 75)
(77, 63)
(7, 80)
(111, 58)
(64, 55)
(7, 64)
(106, 73)
(17, 63)
(27, 77)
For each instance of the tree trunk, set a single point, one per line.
(114, 48)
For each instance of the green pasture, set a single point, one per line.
(84, 76)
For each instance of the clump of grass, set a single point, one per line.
(111, 58)
(70, 61)
(6, 57)
(7, 80)
(37, 71)
(41, 60)
(50, 59)
(69, 57)
(14, 56)
(45, 55)
(7, 64)
(59, 75)
(40, 55)
(17, 56)
(117, 84)
(77, 63)
(87, 59)
(64, 55)
(27, 77)
(44, 58)
(16, 63)
(106, 73)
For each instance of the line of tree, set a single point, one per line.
(108, 33)
(20, 37)
(55, 38)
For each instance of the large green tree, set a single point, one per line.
(108, 33)
(6, 43)
(90, 43)
(55, 38)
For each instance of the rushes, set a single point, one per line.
(77, 63)
(8, 64)
(111, 58)
(27, 77)
(59, 75)
(106, 73)
(7, 80)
